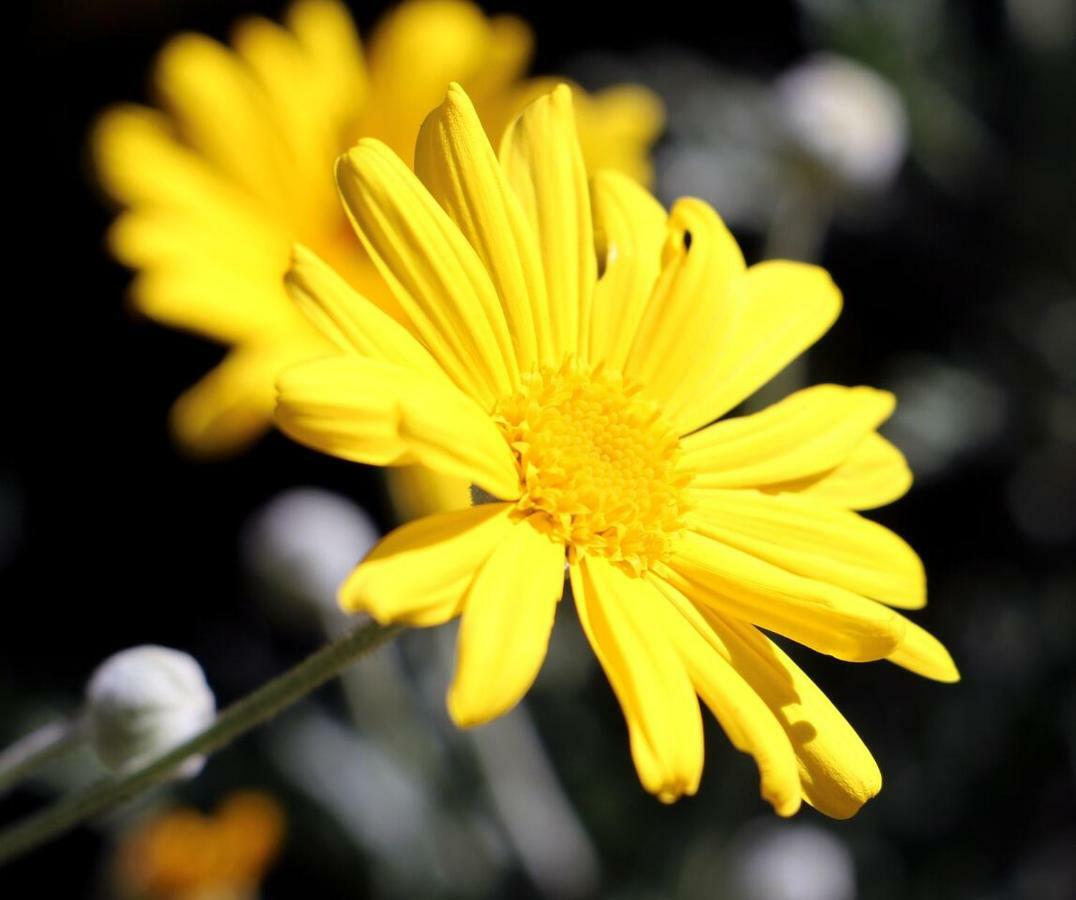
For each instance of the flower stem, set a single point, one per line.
(237, 719)
(36, 749)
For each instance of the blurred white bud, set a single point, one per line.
(845, 116)
(302, 544)
(144, 701)
(790, 861)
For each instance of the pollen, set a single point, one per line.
(597, 464)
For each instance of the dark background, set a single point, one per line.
(117, 540)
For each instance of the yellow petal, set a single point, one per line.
(349, 320)
(750, 724)
(924, 654)
(807, 433)
(837, 772)
(511, 49)
(416, 491)
(224, 115)
(414, 52)
(455, 161)
(691, 316)
(541, 157)
(507, 618)
(307, 128)
(420, 573)
(157, 235)
(139, 160)
(326, 32)
(374, 412)
(617, 127)
(875, 473)
(647, 675)
(221, 303)
(788, 306)
(629, 230)
(824, 617)
(814, 540)
(232, 406)
(432, 270)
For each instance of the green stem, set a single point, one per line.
(237, 719)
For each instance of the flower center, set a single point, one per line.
(597, 464)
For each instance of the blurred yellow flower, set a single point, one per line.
(564, 348)
(184, 855)
(237, 167)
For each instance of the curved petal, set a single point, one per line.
(647, 675)
(807, 433)
(455, 161)
(308, 129)
(326, 32)
(837, 772)
(139, 160)
(416, 491)
(349, 320)
(492, 87)
(924, 654)
(544, 165)
(221, 111)
(834, 546)
(217, 302)
(414, 52)
(691, 315)
(787, 307)
(432, 270)
(374, 412)
(617, 127)
(232, 406)
(629, 230)
(874, 473)
(420, 573)
(750, 724)
(826, 618)
(507, 619)
(158, 234)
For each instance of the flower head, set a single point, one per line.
(567, 348)
(236, 167)
(143, 701)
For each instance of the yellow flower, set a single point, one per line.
(237, 168)
(184, 855)
(565, 350)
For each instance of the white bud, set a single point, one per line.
(790, 861)
(303, 544)
(144, 701)
(846, 116)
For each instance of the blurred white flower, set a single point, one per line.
(303, 543)
(846, 117)
(142, 702)
(790, 861)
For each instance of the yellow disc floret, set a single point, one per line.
(597, 464)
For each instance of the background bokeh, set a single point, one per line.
(942, 202)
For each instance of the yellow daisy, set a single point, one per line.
(565, 351)
(236, 168)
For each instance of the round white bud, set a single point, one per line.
(790, 861)
(846, 116)
(144, 701)
(301, 545)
